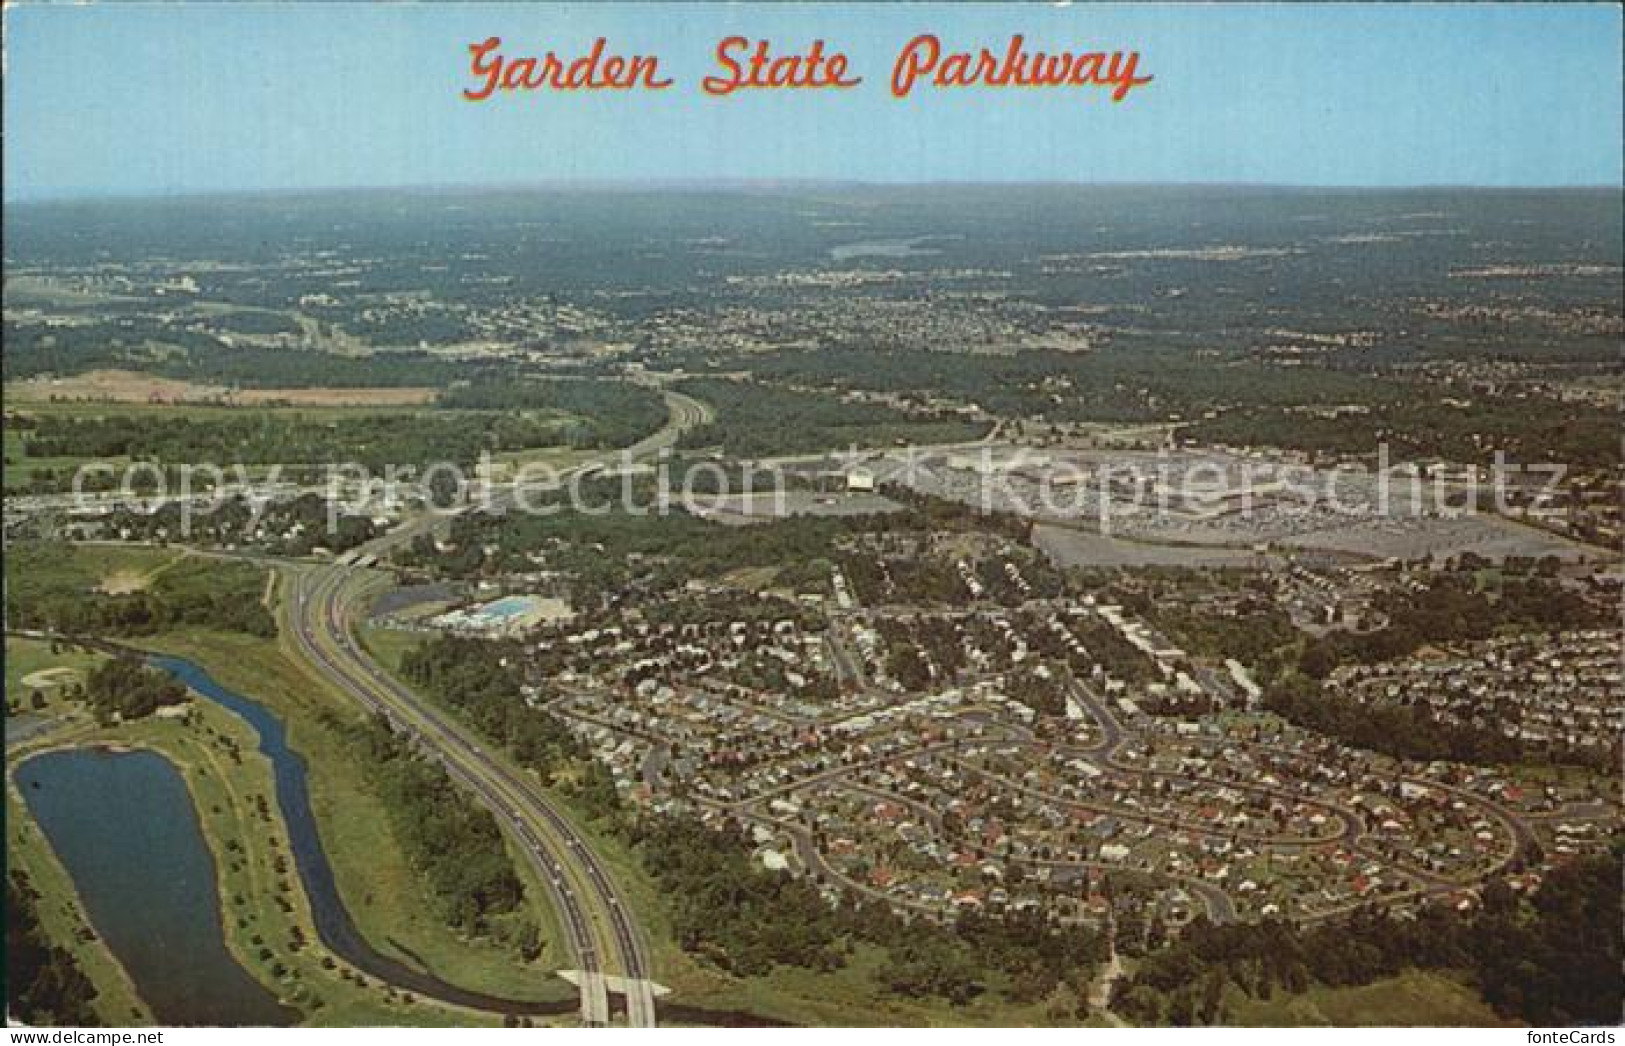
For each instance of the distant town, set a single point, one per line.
(820, 605)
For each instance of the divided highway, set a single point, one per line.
(603, 938)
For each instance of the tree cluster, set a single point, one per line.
(128, 689)
(45, 986)
(1551, 960)
(44, 593)
(452, 841)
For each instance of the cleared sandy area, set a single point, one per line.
(125, 386)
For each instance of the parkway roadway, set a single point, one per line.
(600, 929)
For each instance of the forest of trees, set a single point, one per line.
(755, 420)
(374, 440)
(1552, 959)
(1120, 384)
(469, 676)
(45, 591)
(451, 840)
(1526, 430)
(731, 911)
(603, 413)
(125, 687)
(147, 344)
(1403, 731)
(44, 985)
(1107, 385)
(483, 416)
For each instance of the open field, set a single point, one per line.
(199, 411)
(26, 658)
(389, 645)
(104, 569)
(128, 386)
(20, 469)
(559, 458)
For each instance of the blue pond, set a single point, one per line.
(124, 826)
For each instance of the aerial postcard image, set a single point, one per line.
(774, 518)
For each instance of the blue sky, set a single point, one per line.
(122, 99)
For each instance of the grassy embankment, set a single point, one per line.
(385, 895)
(267, 923)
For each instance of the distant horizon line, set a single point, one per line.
(767, 183)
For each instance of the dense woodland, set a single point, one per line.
(375, 440)
(173, 351)
(1108, 385)
(1528, 431)
(452, 841)
(1403, 731)
(485, 416)
(1552, 959)
(1320, 409)
(601, 413)
(126, 688)
(756, 420)
(44, 985)
(469, 676)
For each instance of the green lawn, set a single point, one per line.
(20, 468)
(207, 412)
(389, 645)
